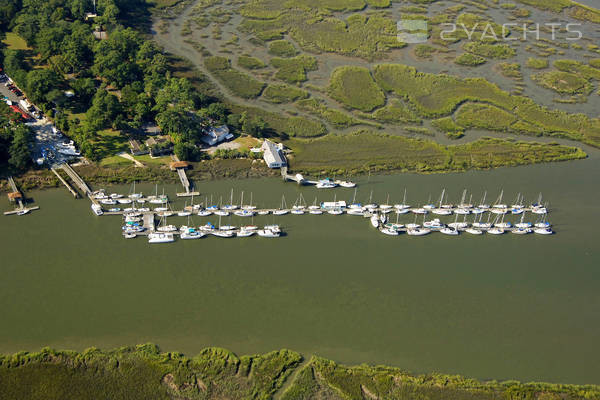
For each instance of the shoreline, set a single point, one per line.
(143, 370)
(209, 170)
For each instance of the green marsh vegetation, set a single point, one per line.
(381, 152)
(439, 95)
(144, 372)
(249, 62)
(470, 60)
(294, 70)
(240, 84)
(282, 48)
(282, 93)
(355, 88)
(330, 115)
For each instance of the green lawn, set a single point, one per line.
(15, 42)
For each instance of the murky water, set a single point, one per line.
(487, 307)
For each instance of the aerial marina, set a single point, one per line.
(474, 219)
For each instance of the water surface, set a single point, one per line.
(486, 307)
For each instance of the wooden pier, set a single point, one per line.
(298, 178)
(17, 196)
(64, 182)
(180, 167)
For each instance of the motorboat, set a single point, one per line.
(462, 211)
(97, 209)
(449, 231)
(245, 233)
(354, 211)
(280, 212)
(129, 235)
(315, 212)
(435, 224)
(421, 211)
(418, 232)
(346, 184)
(388, 231)
(167, 228)
(125, 200)
(268, 233)
(108, 201)
(375, 221)
(335, 211)
(326, 184)
(223, 234)
(458, 225)
(244, 213)
(191, 233)
(160, 237)
(274, 228)
(114, 209)
(221, 213)
(441, 211)
(298, 211)
(228, 227)
(184, 213)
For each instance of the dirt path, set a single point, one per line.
(291, 379)
(130, 158)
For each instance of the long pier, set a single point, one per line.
(64, 182)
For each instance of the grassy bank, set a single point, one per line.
(98, 175)
(380, 152)
(143, 372)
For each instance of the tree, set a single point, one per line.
(104, 111)
(186, 151)
(253, 126)
(177, 92)
(217, 112)
(39, 83)
(19, 149)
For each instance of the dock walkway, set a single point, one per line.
(19, 199)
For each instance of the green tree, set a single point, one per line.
(39, 83)
(19, 149)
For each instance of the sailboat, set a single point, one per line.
(442, 210)
(221, 212)
(283, 209)
(133, 195)
(387, 207)
(314, 208)
(464, 208)
(163, 227)
(371, 206)
(498, 207)
(243, 211)
(249, 206)
(402, 208)
(230, 206)
(185, 212)
(472, 229)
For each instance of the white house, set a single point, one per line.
(216, 135)
(273, 155)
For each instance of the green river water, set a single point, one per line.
(487, 307)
